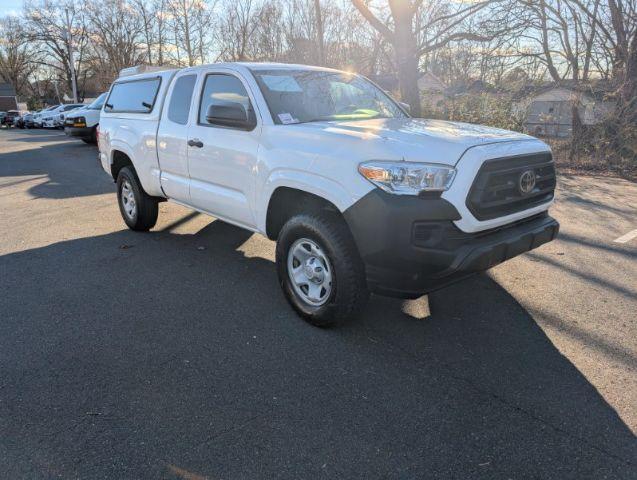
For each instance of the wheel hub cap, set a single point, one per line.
(128, 200)
(310, 272)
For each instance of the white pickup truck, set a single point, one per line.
(359, 196)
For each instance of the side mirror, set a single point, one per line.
(405, 106)
(230, 114)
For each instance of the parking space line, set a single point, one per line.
(626, 238)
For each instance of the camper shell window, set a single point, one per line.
(133, 96)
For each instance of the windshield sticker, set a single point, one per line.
(287, 118)
(281, 83)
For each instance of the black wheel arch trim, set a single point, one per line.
(380, 221)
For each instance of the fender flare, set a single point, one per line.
(118, 145)
(149, 183)
(309, 182)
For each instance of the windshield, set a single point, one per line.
(299, 96)
(98, 103)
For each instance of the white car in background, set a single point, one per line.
(40, 114)
(82, 123)
(55, 117)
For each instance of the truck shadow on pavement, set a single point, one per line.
(57, 169)
(140, 355)
(38, 136)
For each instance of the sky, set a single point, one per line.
(8, 7)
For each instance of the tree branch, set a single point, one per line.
(373, 20)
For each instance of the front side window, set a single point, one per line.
(299, 96)
(180, 100)
(220, 89)
(136, 96)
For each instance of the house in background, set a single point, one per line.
(8, 100)
(432, 91)
(549, 108)
(83, 97)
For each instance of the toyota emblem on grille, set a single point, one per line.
(526, 183)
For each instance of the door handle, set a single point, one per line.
(195, 142)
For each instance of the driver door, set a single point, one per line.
(222, 159)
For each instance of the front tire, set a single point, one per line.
(139, 210)
(92, 139)
(320, 270)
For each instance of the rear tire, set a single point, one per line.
(139, 210)
(335, 272)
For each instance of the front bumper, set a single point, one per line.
(410, 245)
(80, 132)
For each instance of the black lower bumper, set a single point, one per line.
(412, 249)
(80, 132)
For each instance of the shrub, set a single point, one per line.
(485, 109)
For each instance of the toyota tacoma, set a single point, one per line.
(359, 196)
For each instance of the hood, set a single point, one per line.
(75, 112)
(420, 140)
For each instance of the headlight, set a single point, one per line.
(78, 121)
(406, 178)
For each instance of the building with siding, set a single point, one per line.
(8, 100)
(549, 110)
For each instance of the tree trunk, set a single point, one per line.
(577, 128)
(319, 32)
(628, 90)
(626, 133)
(406, 52)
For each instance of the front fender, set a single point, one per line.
(309, 182)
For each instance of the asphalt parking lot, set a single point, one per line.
(173, 354)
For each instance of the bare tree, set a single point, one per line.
(415, 27)
(116, 30)
(148, 15)
(17, 63)
(192, 21)
(59, 29)
(235, 29)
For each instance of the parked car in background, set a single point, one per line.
(358, 195)
(54, 119)
(7, 120)
(82, 123)
(66, 111)
(18, 121)
(37, 118)
(2, 114)
(27, 120)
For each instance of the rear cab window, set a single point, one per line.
(181, 98)
(133, 96)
